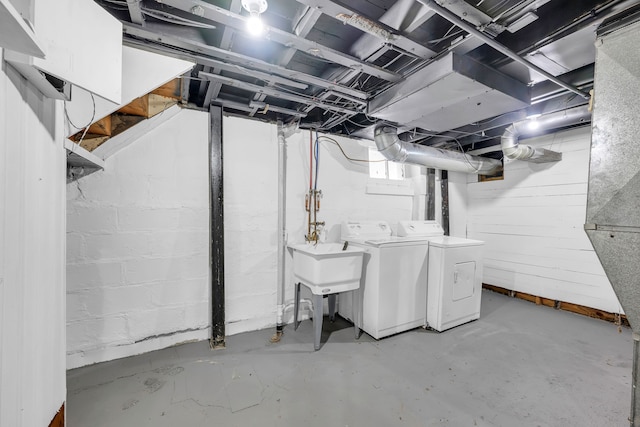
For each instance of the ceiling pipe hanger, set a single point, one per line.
(454, 19)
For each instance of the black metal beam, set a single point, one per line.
(431, 194)
(554, 22)
(217, 228)
(444, 190)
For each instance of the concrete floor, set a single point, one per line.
(519, 365)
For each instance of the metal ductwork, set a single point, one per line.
(450, 92)
(613, 198)
(392, 148)
(513, 150)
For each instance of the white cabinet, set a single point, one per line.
(82, 44)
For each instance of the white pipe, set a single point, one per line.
(283, 133)
(282, 205)
(392, 148)
(509, 140)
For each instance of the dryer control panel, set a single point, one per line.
(364, 230)
(420, 229)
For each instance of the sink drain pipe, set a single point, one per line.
(282, 232)
(284, 131)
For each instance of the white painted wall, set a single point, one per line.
(251, 208)
(533, 222)
(32, 274)
(137, 246)
(458, 203)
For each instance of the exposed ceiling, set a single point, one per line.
(340, 67)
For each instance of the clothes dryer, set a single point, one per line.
(454, 290)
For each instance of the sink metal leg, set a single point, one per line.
(317, 321)
(296, 305)
(357, 314)
(332, 307)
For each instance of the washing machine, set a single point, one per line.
(393, 290)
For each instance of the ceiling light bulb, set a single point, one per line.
(254, 24)
(255, 8)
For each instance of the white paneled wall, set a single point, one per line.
(32, 224)
(138, 246)
(532, 222)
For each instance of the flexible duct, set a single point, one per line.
(392, 148)
(513, 150)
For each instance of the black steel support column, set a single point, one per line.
(444, 189)
(216, 200)
(431, 195)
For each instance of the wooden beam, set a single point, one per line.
(148, 105)
(122, 122)
(93, 142)
(618, 319)
(101, 127)
(137, 107)
(130, 135)
(58, 419)
(172, 89)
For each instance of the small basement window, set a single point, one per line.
(381, 168)
(497, 176)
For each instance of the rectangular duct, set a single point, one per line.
(613, 197)
(448, 93)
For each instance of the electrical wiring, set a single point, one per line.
(357, 124)
(86, 128)
(173, 19)
(93, 116)
(333, 141)
(493, 118)
(465, 156)
(446, 36)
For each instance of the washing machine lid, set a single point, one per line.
(451, 242)
(417, 229)
(361, 231)
(396, 241)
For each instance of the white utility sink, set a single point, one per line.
(326, 268)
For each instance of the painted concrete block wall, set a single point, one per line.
(532, 223)
(137, 246)
(251, 210)
(32, 273)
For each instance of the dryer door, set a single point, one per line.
(464, 274)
